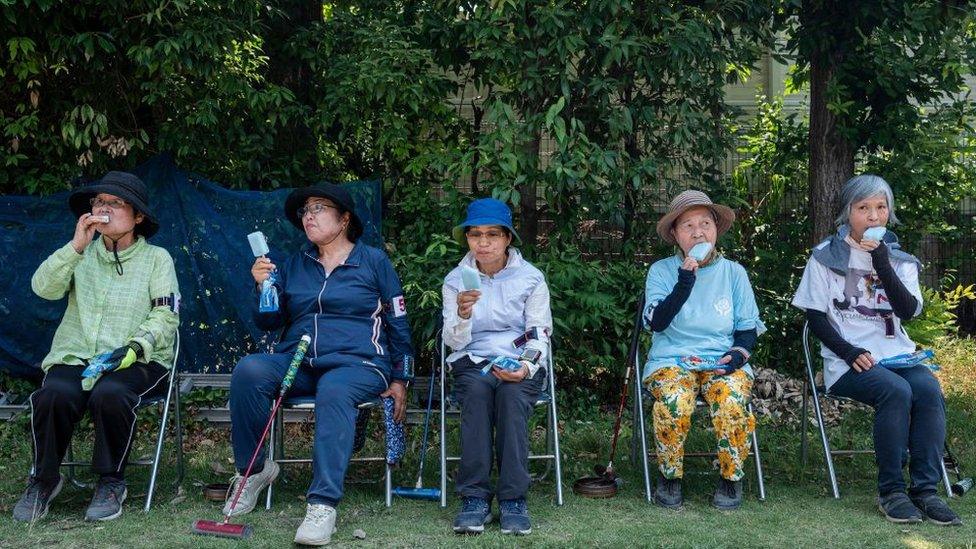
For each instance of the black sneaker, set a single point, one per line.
(728, 495)
(474, 515)
(34, 503)
(514, 517)
(668, 493)
(107, 502)
(936, 510)
(898, 508)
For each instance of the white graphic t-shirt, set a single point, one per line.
(857, 307)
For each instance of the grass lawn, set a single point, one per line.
(797, 513)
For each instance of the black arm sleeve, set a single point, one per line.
(827, 335)
(903, 303)
(666, 310)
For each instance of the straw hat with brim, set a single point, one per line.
(124, 185)
(339, 196)
(724, 216)
(486, 211)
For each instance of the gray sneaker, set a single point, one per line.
(318, 526)
(34, 503)
(107, 502)
(256, 483)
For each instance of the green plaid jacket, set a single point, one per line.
(105, 310)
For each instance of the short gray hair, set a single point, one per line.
(861, 187)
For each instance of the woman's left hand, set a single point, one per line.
(869, 245)
(512, 376)
(397, 390)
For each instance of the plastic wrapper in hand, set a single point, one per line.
(910, 360)
(269, 295)
(502, 363)
(700, 364)
(93, 372)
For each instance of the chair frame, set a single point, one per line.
(810, 388)
(172, 396)
(639, 394)
(553, 456)
(277, 449)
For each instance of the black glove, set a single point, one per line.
(738, 361)
(123, 357)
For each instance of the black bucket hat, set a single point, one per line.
(124, 185)
(335, 193)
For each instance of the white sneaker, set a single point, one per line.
(318, 526)
(249, 496)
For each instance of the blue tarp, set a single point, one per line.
(203, 226)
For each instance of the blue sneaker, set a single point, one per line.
(515, 517)
(474, 515)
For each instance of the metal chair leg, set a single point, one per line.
(554, 428)
(945, 479)
(274, 449)
(443, 429)
(812, 381)
(639, 405)
(388, 485)
(804, 414)
(177, 415)
(761, 482)
(159, 446)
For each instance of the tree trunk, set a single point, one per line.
(528, 212)
(831, 155)
(292, 72)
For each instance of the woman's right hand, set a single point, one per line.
(690, 264)
(863, 362)
(466, 301)
(261, 269)
(85, 231)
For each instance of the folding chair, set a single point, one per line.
(547, 398)
(810, 388)
(640, 393)
(172, 396)
(307, 404)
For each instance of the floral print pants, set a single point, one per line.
(674, 390)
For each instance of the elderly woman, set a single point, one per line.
(506, 316)
(701, 312)
(122, 314)
(347, 297)
(857, 289)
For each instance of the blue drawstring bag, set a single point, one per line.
(395, 436)
(910, 360)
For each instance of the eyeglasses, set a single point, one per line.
(314, 209)
(491, 236)
(115, 203)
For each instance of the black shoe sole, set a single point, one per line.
(673, 506)
(896, 520)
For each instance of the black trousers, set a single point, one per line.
(494, 426)
(60, 403)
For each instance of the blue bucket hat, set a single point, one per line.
(486, 211)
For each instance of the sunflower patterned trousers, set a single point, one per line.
(674, 390)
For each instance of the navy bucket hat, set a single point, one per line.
(124, 185)
(486, 211)
(335, 193)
